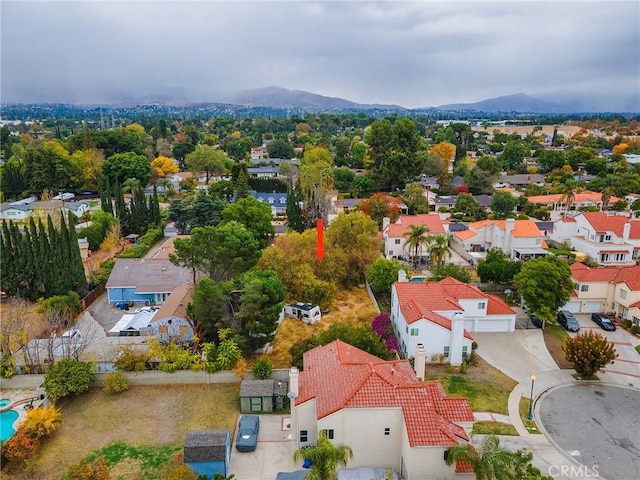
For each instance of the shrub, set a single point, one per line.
(20, 447)
(145, 242)
(589, 352)
(635, 329)
(626, 324)
(68, 376)
(116, 382)
(95, 468)
(7, 366)
(130, 360)
(463, 368)
(262, 368)
(474, 345)
(42, 421)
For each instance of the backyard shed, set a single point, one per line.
(208, 452)
(263, 396)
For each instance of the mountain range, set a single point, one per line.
(561, 102)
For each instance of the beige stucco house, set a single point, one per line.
(606, 289)
(389, 416)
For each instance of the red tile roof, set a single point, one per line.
(602, 222)
(629, 275)
(341, 376)
(420, 300)
(401, 226)
(521, 228)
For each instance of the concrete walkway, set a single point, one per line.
(492, 417)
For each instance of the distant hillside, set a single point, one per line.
(278, 97)
(519, 102)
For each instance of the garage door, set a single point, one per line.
(573, 307)
(500, 325)
(592, 307)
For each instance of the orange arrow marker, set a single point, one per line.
(320, 246)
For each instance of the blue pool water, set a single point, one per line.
(7, 420)
(4, 402)
(417, 279)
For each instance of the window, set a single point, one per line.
(446, 352)
(538, 241)
(387, 431)
(623, 294)
(481, 305)
(328, 433)
(584, 288)
(465, 352)
(304, 436)
(414, 332)
(255, 404)
(390, 252)
(636, 321)
(397, 241)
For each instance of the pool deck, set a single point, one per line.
(16, 394)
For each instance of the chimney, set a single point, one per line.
(385, 223)
(626, 230)
(293, 382)
(402, 275)
(457, 335)
(419, 361)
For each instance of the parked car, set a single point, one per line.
(568, 321)
(604, 321)
(248, 428)
(536, 321)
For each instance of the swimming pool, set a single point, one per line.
(7, 419)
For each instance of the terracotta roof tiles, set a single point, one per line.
(341, 376)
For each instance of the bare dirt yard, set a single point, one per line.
(141, 416)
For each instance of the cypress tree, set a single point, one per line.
(75, 258)
(105, 197)
(28, 280)
(122, 214)
(7, 260)
(19, 257)
(155, 207)
(48, 278)
(294, 212)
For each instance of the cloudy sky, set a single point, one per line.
(410, 53)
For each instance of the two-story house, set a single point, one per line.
(607, 239)
(606, 289)
(440, 315)
(519, 239)
(395, 234)
(383, 410)
(277, 201)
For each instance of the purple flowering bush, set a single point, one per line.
(382, 326)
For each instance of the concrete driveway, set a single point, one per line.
(519, 354)
(273, 454)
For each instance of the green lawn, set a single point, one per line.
(554, 337)
(530, 425)
(484, 395)
(638, 349)
(493, 428)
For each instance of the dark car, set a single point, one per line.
(568, 321)
(536, 321)
(604, 321)
(248, 428)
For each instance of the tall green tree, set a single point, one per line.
(295, 220)
(123, 166)
(221, 252)
(503, 203)
(496, 267)
(208, 160)
(415, 199)
(280, 148)
(513, 155)
(256, 216)
(439, 249)
(545, 285)
(325, 458)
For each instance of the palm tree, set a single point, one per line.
(439, 249)
(607, 191)
(489, 462)
(569, 190)
(416, 239)
(325, 458)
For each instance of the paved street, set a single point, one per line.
(596, 424)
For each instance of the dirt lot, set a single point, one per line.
(156, 415)
(352, 306)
